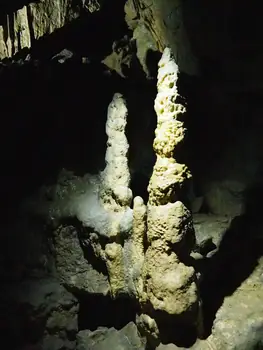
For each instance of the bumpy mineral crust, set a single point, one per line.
(168, 284)
(115, 192)
(116, 195)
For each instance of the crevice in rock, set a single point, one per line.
(139, 184)
(171, 330)
(235, 260)
(176, 332)
(140, 133)
(102, 311)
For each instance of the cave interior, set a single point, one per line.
(54, 115)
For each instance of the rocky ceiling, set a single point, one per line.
(223, 37)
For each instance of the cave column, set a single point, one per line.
(169, 285)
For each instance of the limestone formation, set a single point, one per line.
(102, 204)
(144, 249)
(115, 193)
(169, 285)
(121, 57)
(161, 21)
(110, 338)
(138, 236)
(230, 331)
(31, 22)
(16, 37)
(73, 270)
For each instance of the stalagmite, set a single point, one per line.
(169, 286)
(115, 193)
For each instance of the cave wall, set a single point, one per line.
(164, 20)
(22, 24)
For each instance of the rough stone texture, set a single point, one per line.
(102, 204)
(168, 175)
(145, 43)
(210, 229)
(115, 192)
(33, 21)
(115, 266)
(131, 15)
(104, 339)
(73, 269)
(139, 229)
(239, 321)
(199, 345)
(40, 311)
(17, 37)
(225, 197)
(169, 133)
(149, 328)
(49, 15)
(169, 223)
(169, 285)
(163, 20)
(121, 57)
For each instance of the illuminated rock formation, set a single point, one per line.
(145, 250)
(157, 24)
(21, 27)
(139, 229)
(115, 192)
(116, 195)
(169, 286)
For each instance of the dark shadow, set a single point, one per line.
(102, 311)
(152, 60)
(172, 329)
(54, 117)
(90, 35)
(55, 113)
(236, 259)
(10, 6)
(176, 332)
(84, 35)
(140, 132)
(139, 184)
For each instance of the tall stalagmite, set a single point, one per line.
(169, 285)
(115, 194)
